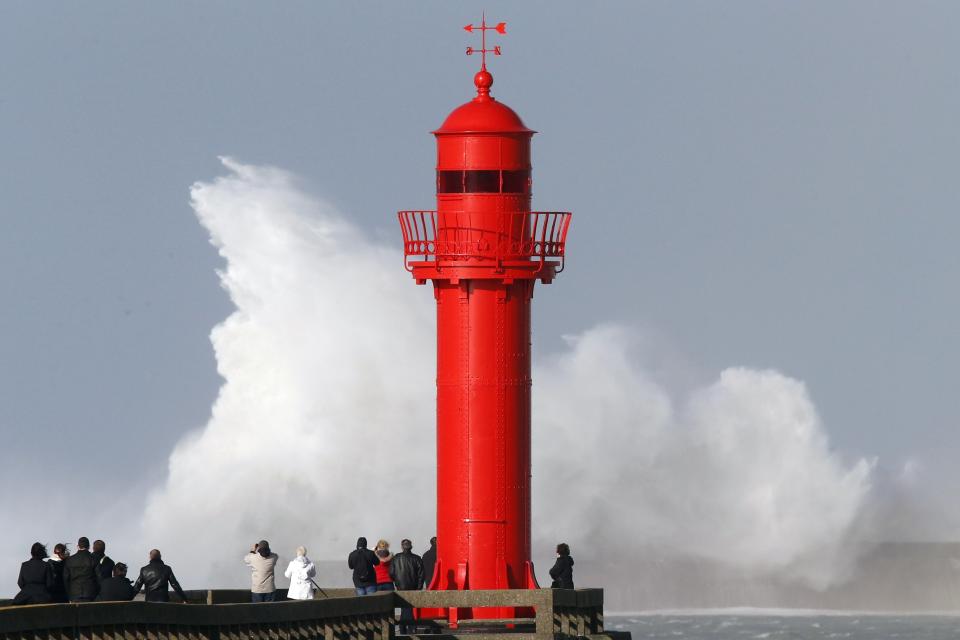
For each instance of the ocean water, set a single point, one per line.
(772, 625)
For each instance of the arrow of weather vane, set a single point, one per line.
(500, 27)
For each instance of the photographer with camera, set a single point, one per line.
(261, 562)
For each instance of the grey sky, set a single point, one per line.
(760, 183)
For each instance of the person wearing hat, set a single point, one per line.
(261, 562)
(364, 563)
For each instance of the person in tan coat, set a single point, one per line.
(262, 563)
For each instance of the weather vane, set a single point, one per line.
(500, 28)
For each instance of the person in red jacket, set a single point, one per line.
(384, 581)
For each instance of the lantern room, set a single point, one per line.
(483, 151)
(483, 226)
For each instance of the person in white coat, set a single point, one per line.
(300, 571)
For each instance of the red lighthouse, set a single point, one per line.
(484, 250)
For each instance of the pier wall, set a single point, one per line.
(339, 615)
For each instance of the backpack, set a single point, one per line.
(364, 570)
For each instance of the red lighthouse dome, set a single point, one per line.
(483, 114)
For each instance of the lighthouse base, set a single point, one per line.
(550, 614)
(458, 579)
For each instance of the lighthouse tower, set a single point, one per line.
(484, 249)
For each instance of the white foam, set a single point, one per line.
(324, 427)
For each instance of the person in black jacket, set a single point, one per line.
(362, 561)
(406, 571)
(429, 561)
(58, 592)
(117, 587)
(104, 563)
(80, 574)
(157, 578)
(562, 570)
(33, 578)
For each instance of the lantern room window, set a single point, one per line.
(449, 181)
(484, 181)
(481, 182)
(516, 181)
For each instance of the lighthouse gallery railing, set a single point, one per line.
(463, 236)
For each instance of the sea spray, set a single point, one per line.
(323, 429)
(738, 472)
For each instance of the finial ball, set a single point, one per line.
(483, 80)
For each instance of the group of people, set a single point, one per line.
(262, 562)
(88, 575)
(381, 570)
(373, 570)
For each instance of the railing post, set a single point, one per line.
(544, 615)
(564, 620)
(596, 620)
(386, 627)
(581, 622)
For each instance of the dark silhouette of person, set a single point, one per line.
(58, 592)
(157, 578)
(363, 561)
(429, 561)
(104, 563)
(80, 574)
(562, 569)
(34, 578)
(406, 570)
(117, 587)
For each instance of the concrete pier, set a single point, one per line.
(338, 615)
